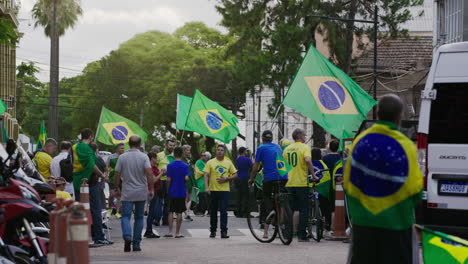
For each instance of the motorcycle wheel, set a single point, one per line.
(22, 259)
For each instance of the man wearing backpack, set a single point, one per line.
(62, 166)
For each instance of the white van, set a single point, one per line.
(443, 140)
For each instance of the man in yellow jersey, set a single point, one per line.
(164, 158)
(299, 157)
(219, 172)
(43, 157)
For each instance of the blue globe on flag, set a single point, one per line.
(119, 133)
(213, 120)
(221, 170)
(331, 95)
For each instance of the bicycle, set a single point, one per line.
(280, 218)
(315, 220)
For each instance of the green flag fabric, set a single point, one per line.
(208, 118)
(282, 165)
(324, 187)
(4, 132)
(3, 107)
(443, 248)
(114, 129)
(84, 160)
(183, 109)
(42, 136)
(325, 94)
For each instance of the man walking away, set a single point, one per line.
(325, 190)
(383, 184)
(153, 202)
(164, 158)
(111, 163)
(135, 170)
(202, 205)
(298, 156)
(177, 175)
(95, 202)
(43, 157)
(218, 173)
(332, 157)
(244, 165)
(62, 166)
(84, 161)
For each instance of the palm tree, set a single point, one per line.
(55, 16)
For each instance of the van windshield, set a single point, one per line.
(449, 114)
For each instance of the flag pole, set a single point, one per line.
(276, 115)
(99, 122)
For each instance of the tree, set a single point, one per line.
(8, 34)
(56, 17)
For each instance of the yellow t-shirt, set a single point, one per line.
(218, 169)
(62, 194)
(43, 161)
(295, 154)
(163, 160)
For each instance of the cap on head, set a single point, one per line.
(267, 135)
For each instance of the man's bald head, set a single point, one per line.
(390, 108)
(134, 141)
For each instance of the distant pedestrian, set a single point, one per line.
(218, 173)
(332, 157)
(383, 185)
(177, 175)
(150, 233)
(43, 157)
(62, 166)
(135, 170)
(244, 165)
(186, 157)
(164, 158)
(111, 163)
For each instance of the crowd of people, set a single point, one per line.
(167, 184)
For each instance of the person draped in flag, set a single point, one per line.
(273, 181)
(324, 188)
(383, 184)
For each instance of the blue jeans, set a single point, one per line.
(299, 197)
(151, 213)
(219, 200)
(96, 209)
(127, 208)
(162, 205)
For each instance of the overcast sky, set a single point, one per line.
(104, 25)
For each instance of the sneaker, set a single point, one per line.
(136, 249)
(212, 234)
(127, 246)
(150, 235)
(224, 235)
(118, 215)
(188, 218)
(103, 242)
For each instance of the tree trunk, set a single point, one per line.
(234, 150)
(54, 77)
(210, 143)
(318, 136)
(350, 36)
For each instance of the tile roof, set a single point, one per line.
(407, 54)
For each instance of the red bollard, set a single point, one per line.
(61, 243)
(77, 236)
(84, 199)
(53, 241)
(339, 223)
(50, 197)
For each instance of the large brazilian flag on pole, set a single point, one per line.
(325, 94)
(183, 109)
(114, 129)
(208, 118)
(443, 248)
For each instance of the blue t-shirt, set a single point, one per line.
(330, 160)
(244, 165)
(266, 154)
(177, 171)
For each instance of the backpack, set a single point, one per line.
(66, 169)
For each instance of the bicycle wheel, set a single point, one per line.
(315, 225)
(284, 219)
(255, 225)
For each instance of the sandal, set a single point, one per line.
(179, 236)
(168, 235)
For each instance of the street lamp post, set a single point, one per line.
(376, 25)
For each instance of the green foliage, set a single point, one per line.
(8, 33)
(67, 13)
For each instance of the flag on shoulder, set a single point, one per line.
(42, 136)
(439, 247)
(114, 129)
(282, 165)
(208, 118)
(325, 94)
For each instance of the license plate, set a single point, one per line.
(448, 187)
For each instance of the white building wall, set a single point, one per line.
(450, 23)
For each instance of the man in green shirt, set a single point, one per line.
(164, 158)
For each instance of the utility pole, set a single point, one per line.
(259, 118)
(253, 123)
(54, 75)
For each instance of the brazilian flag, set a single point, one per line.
(3, 107)
(114, 129)
(208, 118)
(183, 109)
(42, 136)
(442, 248)
(84, 160)
(382, 178)
(199, 175)
(324, 188)
(282, 165)
(325, 94)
